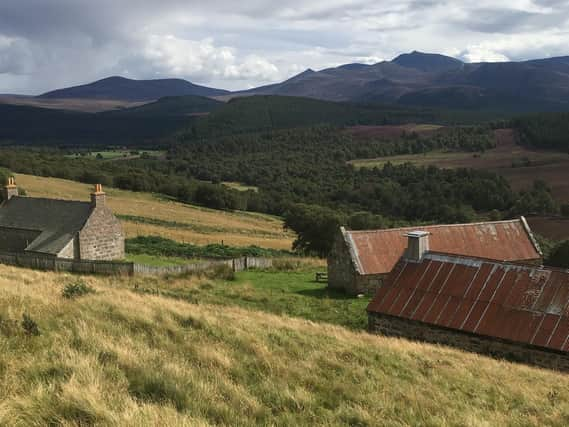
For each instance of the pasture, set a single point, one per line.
(145, 214)
(119, 355)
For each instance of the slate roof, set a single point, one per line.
(522, 304)
(57, 221)
(377, 251)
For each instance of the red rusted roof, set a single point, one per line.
(518, 303)
(377, 251)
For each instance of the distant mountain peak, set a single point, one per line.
(428, 62)
(122, 88)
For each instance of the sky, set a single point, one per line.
(48, 44)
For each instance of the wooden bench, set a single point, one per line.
(322, 277)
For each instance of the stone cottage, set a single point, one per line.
(508, 310)
(360, 260)
(60, 228)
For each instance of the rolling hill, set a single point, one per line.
(437, 81)
(144, 214)
(121, 88)
(20, 124)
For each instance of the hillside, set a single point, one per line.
(261, 113)
(437, 81)
(144, 214)
(122, 357)
(25, 125)
(133, 90)
(172, 106)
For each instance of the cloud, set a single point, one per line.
(15, 56)
(234, 45)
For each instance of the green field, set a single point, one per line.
(119, 154)
(423, 159)
(291, 293)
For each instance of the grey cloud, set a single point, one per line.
(240, 44)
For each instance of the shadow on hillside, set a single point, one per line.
(325, 293)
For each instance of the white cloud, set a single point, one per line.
(480, 53)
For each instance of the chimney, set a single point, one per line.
(417, 245)
(10, 190)
(98, 196)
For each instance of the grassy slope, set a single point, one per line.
(201, 226)
(117, 357)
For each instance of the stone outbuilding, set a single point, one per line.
(361, 260)
(60, 228)
(513, 311)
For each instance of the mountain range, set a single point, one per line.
(412, 79)
(432, 80)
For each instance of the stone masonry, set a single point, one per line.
(102, 237)
(410, 329)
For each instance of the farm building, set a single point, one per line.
(513, 311)
(360, 260)
(59, 228)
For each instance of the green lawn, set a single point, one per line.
(287, 293)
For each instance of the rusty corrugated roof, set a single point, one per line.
(523, 304)
(377, 251)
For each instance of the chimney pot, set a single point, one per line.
(10, 190)
(98, 196)
(417, 245)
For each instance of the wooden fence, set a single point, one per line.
(42, 262)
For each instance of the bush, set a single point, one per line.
(222, 272)
(30, 326)
(559, 256)
(77, 289)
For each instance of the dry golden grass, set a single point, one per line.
(119, 358)
(234, 228)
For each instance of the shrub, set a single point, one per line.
(76, 289)
(222, 272)
(30, 326)
(559, 256)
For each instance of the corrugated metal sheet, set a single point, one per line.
(377, 251)
(522, 304)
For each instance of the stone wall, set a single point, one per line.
(404, 328)
(102, 237)
(341, 271)
(342, 274)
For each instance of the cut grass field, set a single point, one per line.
(521, 166)
(118, 357)
(145, 214)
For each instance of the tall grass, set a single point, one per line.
(116, 357)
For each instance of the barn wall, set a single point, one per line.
(341, 271)
(404, 328)
(102, 238)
